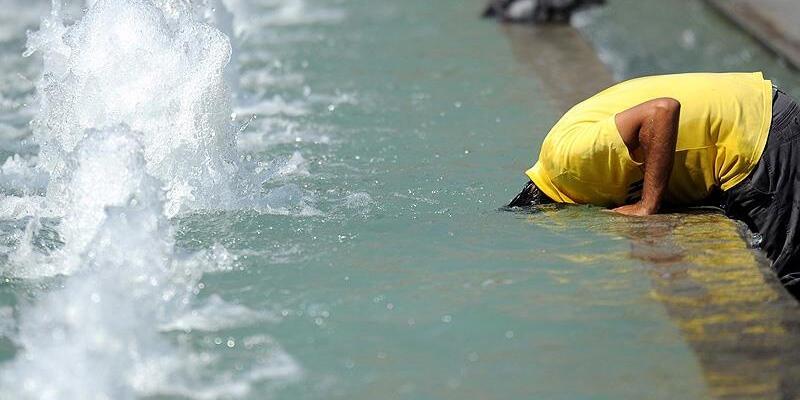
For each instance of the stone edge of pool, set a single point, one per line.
(771, 22)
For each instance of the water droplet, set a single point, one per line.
(756, 239)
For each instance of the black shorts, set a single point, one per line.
(768, 200)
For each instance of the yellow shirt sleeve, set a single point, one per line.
(590, 164)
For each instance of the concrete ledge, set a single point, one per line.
(775, 23)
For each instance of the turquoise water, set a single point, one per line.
(676, 36)
(375, 262)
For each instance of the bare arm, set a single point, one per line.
(650, 131)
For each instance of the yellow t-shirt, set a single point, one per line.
(724, 124)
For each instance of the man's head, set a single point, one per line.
(530, 195)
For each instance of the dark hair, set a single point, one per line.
(530, 196)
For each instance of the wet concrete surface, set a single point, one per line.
(743, 326)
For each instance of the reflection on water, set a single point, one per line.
(742, 324)
(564, 61)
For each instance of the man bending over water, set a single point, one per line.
(731, 140)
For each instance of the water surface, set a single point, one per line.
(376, 263)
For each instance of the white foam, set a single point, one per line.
(19, 176)
(94, 336)
(290, 199)
(216, 314)
(155, 70)
(16, 207)
(98, 337)
(293, 166)
(133, 129)
(107, 169)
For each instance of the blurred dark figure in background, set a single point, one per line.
(536, 11)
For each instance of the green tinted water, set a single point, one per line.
(422, 288)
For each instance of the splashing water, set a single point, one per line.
(133, 129)
(98, 337)
(159, 69)
(154, 69)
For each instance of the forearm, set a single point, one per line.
(658, 137)
(650, 130)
